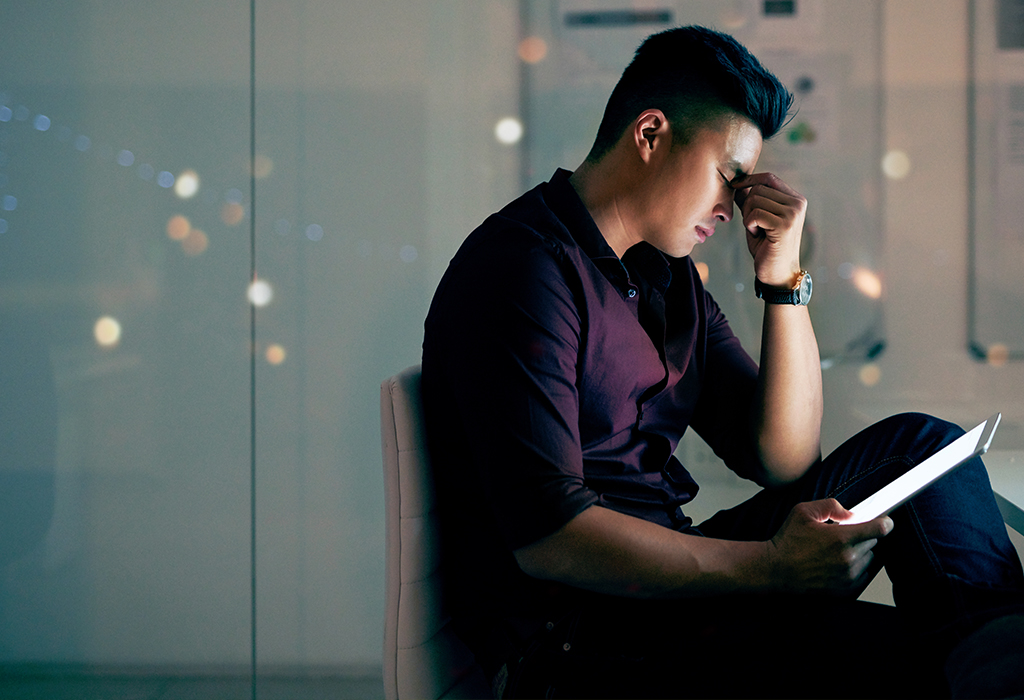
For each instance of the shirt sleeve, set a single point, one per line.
(504, 333)
(728, 389)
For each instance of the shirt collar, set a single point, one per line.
(561, 196)
(644, 258)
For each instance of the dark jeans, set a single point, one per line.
(952, 566)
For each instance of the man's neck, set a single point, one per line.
(604, 189)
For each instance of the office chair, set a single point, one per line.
(423, 658)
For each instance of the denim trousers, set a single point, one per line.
(950, 560)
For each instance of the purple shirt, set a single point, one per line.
(556, 377)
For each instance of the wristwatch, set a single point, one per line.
(799, 295)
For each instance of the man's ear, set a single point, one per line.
(651, 132)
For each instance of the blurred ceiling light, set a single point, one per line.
(260, 293)
(178, 227)
(232, 213)
(195, 243)
(276, 354)
(533, 49)
(187, 184)
(508, 130)
(867, 282)
(125, 158)
(703, 271)
(870, 374)
(107, 332)
(896, 165)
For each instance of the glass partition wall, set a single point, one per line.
(124, 474)
(128, 233)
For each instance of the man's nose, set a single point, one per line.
(723, 210)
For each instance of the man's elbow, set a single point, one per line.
(540, 559)
(779, 472)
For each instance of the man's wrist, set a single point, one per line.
(797, 294)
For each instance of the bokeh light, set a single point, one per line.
(275, 354)
(195, 243)
(896, 165)
(408, 253)
(232, 213)
(870, 374)
(107, 332)
(187, 184)
(533, 49)
(178, 227)
(260, 293)
(998, 354)
(315, 232)
(733, 19)
(508, 130)
(703, 270)
(262, 166)
(867, 282)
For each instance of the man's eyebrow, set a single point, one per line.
(737, 168)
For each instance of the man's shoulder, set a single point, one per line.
(524, 227)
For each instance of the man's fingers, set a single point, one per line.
(767, 180)
(871, 531)
(829, 509)
(824, 510)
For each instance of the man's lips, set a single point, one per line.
(704, 233)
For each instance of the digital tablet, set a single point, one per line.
(963, 449)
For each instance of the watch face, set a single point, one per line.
(805, 288)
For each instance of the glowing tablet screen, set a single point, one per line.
(898, 492)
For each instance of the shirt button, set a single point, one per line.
(632, 293)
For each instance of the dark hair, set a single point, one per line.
(696, 76)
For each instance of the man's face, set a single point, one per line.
(690, 190)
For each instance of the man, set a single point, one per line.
(569, 346)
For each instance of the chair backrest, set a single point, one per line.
(423, 658)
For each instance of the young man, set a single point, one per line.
(567, 349)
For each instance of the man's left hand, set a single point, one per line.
(773, 216)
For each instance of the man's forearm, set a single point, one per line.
(788, 409)
(609, 552)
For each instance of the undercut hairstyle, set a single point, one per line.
(696, 76)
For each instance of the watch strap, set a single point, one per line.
(799, 295)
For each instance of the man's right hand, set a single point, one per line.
(813, 551)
